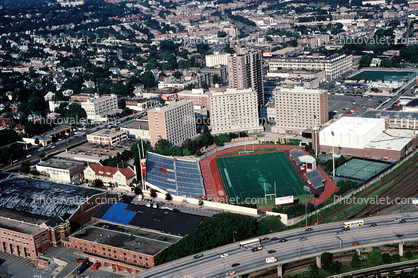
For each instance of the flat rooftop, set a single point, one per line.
(127, 238)
(43, 198)
(107, 133)
(412, 103)
(300, 90)
(165, 221)
(392, 139)
(353, 125)
(170, 105)
(20, 227)
(136, 124)
(61, 164)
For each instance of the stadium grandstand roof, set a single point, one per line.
(316, 179)
(177, 176)
(296, 154)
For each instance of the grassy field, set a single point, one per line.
(252, 176)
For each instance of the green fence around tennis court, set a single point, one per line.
(257, 175)
(360, 169)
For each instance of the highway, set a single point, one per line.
(321, 239)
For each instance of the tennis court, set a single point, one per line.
(385, 75)
(360, 169)
(254, 175)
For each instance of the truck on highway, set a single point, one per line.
(271, 260)
(257, 248)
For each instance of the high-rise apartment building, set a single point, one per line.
(234, 110)
(174, 122)
(299, 108)
(245, 71)
(98, 107)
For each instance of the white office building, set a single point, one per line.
(98, 107)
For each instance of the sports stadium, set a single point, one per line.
(265, 171)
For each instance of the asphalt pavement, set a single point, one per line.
(321, 239)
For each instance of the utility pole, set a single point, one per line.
(333, 157)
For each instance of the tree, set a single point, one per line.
(326, 261)
(177, 74)
(409, 255)
(269, 224)
(98, 183)
(216, 79)
(25, 167)
(216, 231)
(313, 270)
(386, 258)
(221, 34)
(355, 261)
(335, 267)
(396, 257)
(375, 256)
(365, 60)
(168, 196)
(138, 190)
(153, 193)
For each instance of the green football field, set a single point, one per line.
(384, 75)
(253, 175)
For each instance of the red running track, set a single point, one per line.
(213, 182)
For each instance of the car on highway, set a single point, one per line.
(271, 251)
(198, 256)
(29, 155)
(235, 264)
(402, 221)
(274, 238)
(345, 229)
(308, 230)
(355, 243)
(230, 273)
(340, 232)
(257, 248)
(373, 225)
(397, 219)
(303, 238)
(283, 240)
(399, 235)
(266, 238)
(224, 255)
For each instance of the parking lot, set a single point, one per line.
(354, 104)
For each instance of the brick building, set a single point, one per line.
(44, 215)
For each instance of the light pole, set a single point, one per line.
(233, 235)
(333, 157)
(317, 218)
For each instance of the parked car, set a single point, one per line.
(397, 219)
(229, 273)
(345, 229)
(235, 264)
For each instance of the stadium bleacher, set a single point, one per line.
(177, 176)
